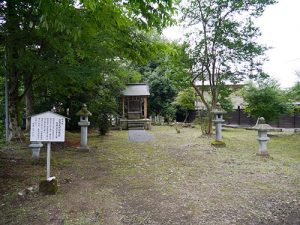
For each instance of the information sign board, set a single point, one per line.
(48, 127)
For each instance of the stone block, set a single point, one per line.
(48, 187)
(218, 144)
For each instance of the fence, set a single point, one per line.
(239, 117)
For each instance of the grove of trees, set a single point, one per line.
(62, 53)
(223, 45)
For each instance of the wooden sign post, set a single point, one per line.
(48, 127)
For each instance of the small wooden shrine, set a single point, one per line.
(134, 107)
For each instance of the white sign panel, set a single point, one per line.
(48, 127)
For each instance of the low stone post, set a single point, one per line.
(262, 129)
(35, 148)
(218, 113)
(84, 123)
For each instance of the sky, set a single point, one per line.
(280, 28)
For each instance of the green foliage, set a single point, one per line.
(151, 13)
(65, 50)
(162, 94)
(104, 105)
(295, 92)
(223, 43)
(171, 61)
(186, 99)
(266, 100)
(204, 122)
(166, 74)
(294, 95)
(224, 98)
(104, 123)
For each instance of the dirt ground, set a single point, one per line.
(178, 178)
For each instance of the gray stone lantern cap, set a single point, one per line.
(83, 111)
(218, 109)
(262, 125)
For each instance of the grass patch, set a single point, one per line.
(178, 178)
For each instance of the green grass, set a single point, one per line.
(178, 178)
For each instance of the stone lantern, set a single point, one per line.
(84, 123)
(218, 113)
(262, 129)
(35, 148)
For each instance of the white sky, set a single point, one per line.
(280, 27)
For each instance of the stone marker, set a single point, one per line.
(35, 148)
(218, 112)
(84, 123)
(262, 129)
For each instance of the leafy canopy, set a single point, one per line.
(67, 49)
(266, 99)
(186, 99)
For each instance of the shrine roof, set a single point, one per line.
(136, 90)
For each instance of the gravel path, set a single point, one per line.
(139, 136)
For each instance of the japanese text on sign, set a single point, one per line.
(47, 127)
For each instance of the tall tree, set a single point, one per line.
(223, 44)
(46, 38)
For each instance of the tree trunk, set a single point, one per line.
(186, 116)
(210, 124)
(28, 101)
(210, 114)
(14, 108)
(12, 47)
(209, 128)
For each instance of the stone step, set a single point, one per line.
(135, 124)
(135, 128)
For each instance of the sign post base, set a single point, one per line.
(48, 186)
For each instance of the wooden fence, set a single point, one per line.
(239, 117)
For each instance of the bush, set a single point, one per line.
(103, 123)
(266, 100)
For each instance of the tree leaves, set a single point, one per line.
(266, 100)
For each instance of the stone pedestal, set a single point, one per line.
(262, 132)
(83, 135)
(218, 112)
(84, 123)
(262, 140)
(218, 125)
(35, 148)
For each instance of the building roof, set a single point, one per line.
(136, 90)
